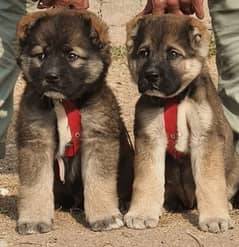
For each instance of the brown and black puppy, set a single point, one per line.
(167, 59)
(64, 56)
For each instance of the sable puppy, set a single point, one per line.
(167, 59)
(64, 56)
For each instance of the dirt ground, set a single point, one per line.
(174, 229)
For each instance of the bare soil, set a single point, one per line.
(174, 229)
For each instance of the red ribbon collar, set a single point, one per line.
(74, 123)
(170, 121)
(69, 130)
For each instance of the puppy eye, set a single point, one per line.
(144, 52)
(172, 54)
(41, 56)
(72, 57)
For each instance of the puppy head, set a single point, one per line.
(166, 53)
(63, 53)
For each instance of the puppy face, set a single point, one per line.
(166, 53)
(63, 54)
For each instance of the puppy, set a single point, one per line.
(179, 125)
(69, 122)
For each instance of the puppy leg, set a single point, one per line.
(99, 170)
(232, 176)
(209, 175)
(36, 203)
(148, 187)
(208, 167)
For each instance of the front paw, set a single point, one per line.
(141, 221)
(26, 228)
(215, 224)
(108, 223)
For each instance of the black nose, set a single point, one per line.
(152, 75)
(52, 78)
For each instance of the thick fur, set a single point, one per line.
(65, 54)
(167, 58)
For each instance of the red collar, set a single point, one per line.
(74, 122)
(170, 121)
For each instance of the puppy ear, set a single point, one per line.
(98, 30)
(26, 23)
(132, 28)
(199, 37)
(23, 29)
(98, 34)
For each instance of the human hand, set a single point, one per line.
(76, 4)
(188, 7)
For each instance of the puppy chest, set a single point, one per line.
(176, 128)
(68, 118)
(69, 128)
(189, 125)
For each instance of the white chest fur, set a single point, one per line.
(63, 128)
(193, 121)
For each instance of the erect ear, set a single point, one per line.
(132, 29)
(98, 29)
(26, 23)
(199, 37)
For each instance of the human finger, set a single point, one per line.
(198, 8)
(173, 6)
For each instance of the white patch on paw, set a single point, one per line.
(137, 222)
(215, 225)
(115, 225)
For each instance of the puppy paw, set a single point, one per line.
(216, 225)
(106, 224)
(26, 228)
(140, 221)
